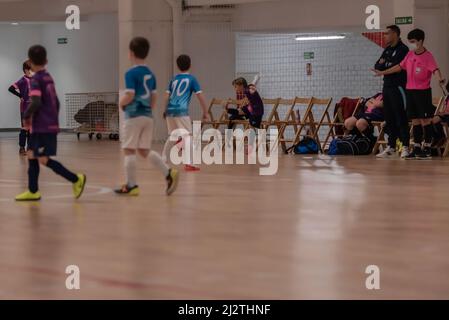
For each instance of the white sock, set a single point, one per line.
(130, 170)
(157, 161)
(167, 147)
(188, 142)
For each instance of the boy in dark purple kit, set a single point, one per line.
(21, 89)
(42, 118)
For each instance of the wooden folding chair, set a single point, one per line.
(440, 106)
(273, 115)
(445, 147)
(290, 119)
(338, 120)
(216, 118)
(381, 140)
(270, 106)
(325, 120)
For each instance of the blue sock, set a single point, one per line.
(33, 175)
(61, 170)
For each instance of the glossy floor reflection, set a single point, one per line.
(308, 232)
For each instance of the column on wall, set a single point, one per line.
(405, 8)
(433, 17)
(153, 20)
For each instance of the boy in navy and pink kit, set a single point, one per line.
(41, 117)
(420, 66)
(21, 89)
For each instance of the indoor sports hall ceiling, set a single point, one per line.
(219, 2)
(49, 10)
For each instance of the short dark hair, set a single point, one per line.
(183, 62)
(38, 55)
(140, 46)
(240, 82)
(26, 66)
(395, 29)
(416, 34)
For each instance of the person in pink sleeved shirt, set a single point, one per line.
(420, 66)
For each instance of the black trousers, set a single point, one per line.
(396, 116)
(254, 120)
(235, 115)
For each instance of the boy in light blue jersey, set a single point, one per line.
(137, 102)
(177, 99)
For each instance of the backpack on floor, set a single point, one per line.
(306, 146)
(351, 145)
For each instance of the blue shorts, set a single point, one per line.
(43, 144)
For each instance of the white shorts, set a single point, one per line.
(137, 133)
(174, 123)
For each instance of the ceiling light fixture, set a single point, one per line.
(315, 38)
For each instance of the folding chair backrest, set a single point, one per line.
(270, 109)
(315, 113)
(216, 109)
(301, 108)
(319, 115)
(284, 109)
(439, 104)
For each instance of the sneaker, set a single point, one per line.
(128, 191)
(190, 168)
(22, 151)
(405, 152)
(414, 154)
(78, 187)
(426, 154)
(388, 152)
(29, 196)
(172, 181)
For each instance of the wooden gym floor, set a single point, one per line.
(308, 232)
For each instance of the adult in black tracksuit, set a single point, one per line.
(394, 93)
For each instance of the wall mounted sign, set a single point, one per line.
(62, 40)
(403, 20)
(309, 55)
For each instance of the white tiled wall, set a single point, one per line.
(340, 67)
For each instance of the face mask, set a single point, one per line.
(413, 46)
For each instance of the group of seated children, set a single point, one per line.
(372, 111)
(361, 122)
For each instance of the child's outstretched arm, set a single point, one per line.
(14, 91)
(203, 105)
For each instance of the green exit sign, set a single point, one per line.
(62, 40)
(403, 20)
(309, 55)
